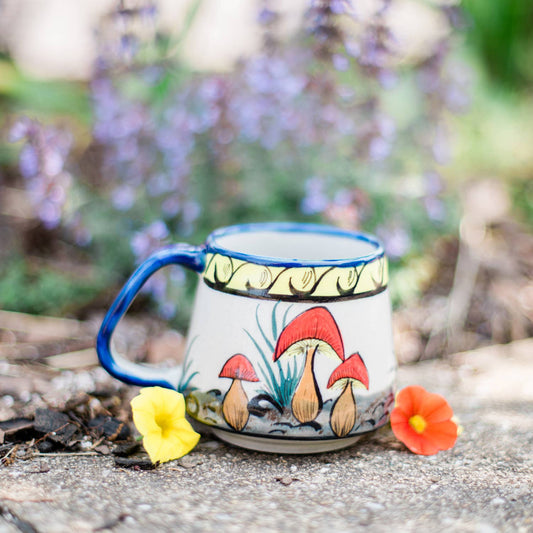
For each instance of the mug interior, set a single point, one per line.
(295, 242)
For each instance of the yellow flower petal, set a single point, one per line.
(144, 421)
(187, 436)
(460, 428)
(176, 444)
(164, 400)
(159, 415)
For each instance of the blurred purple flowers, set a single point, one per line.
(306, 123)
(145, 242)
(41, 162)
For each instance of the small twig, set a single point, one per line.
(66, 454)
(54, 432)
(26, 500)
(97, 443)
(6, 456)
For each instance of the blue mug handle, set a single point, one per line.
(192, 257)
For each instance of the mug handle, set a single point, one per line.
(192, 257)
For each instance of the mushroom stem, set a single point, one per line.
(235, 406)
(344, 412)
(307, 401)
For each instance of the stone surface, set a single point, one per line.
(484, 484)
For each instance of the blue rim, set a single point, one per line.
(213, 245)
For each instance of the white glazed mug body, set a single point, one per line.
(290, 344)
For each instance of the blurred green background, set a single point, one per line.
(149, 89)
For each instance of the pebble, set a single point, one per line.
(86, 444)
(285, 480)
(190, 461)
(211, 445)
(374, 506)
(144, 507)
(7, 400)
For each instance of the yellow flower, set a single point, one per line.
(159, 415)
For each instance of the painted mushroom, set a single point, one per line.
(314, 330)
(350, 373)
(235, 404)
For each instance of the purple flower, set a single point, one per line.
(41, 162)
(433, 204)
(396, 240)
(149, 239)
(340, 7)
(29, 161)
(340, 62)
(315, 200)
(440, 146)
(123, 197)
(20, 129)
(379, 149)
(435, 208)
(267, 17)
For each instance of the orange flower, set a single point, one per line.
(422, 421)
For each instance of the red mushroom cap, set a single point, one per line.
(238, 367)
(353, 369)
(314, 324)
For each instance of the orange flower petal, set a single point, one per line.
(400, 426)
(435, 408)
(422, 446)
(410, 398)
(416, 442)
(442, 434)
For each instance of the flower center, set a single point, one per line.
(418, 423)
(164, 423)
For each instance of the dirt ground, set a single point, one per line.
(482, 485)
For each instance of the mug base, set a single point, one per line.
(285, 446)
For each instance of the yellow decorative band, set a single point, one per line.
(294, 283)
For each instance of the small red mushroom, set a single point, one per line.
(235, 404)
(350, 373)
(314, 330)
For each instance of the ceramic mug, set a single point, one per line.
(289, 348)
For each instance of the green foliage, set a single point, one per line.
(501, 34)
(21, 94)
(45, 290)
(522, 196)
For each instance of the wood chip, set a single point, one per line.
(13, 426)
(286, 480)
(135, 464)
(73, 360)
(111, 428)
(126, 449)
(41, 328)
(56, 426)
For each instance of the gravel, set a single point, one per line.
(484, 484)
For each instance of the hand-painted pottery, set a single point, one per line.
(290, 344)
